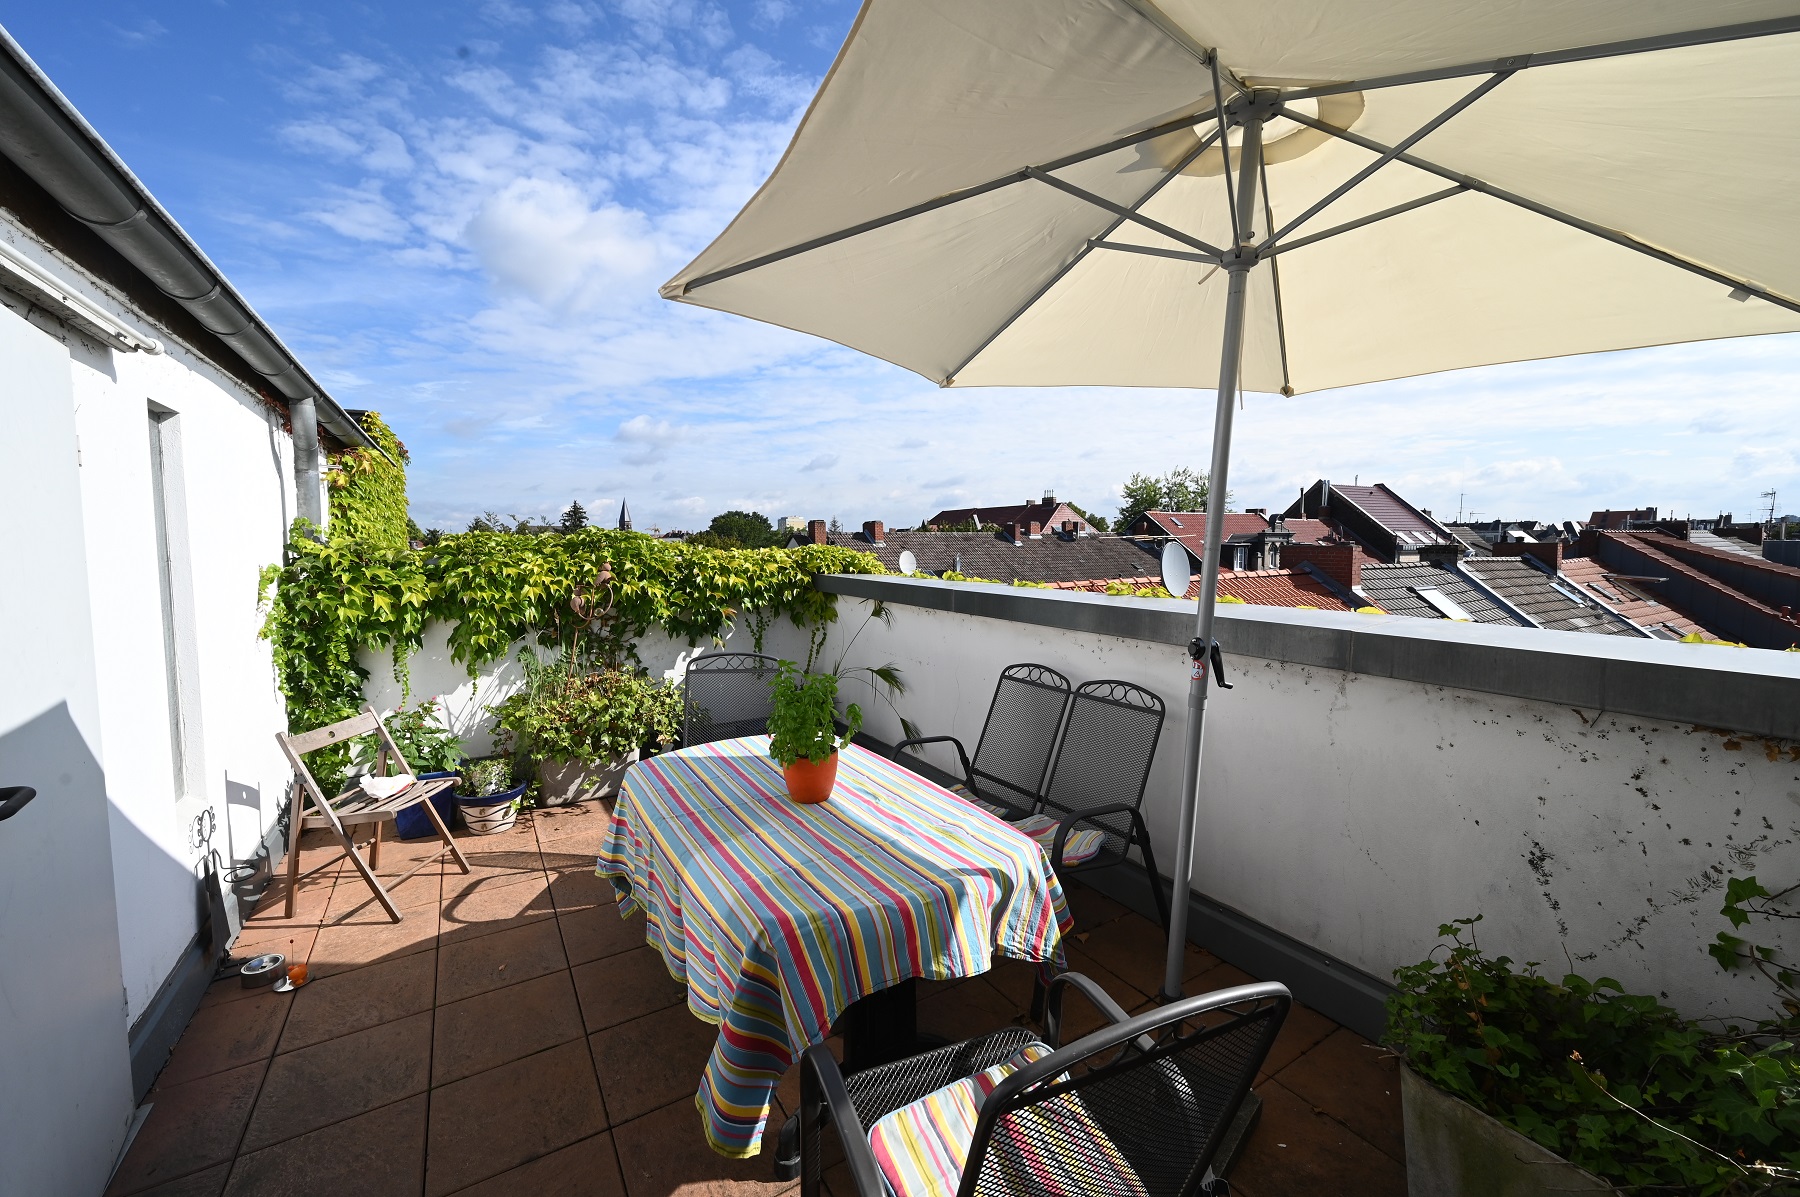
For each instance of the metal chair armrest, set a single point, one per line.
(1096, 996)
(822, 1090)
(1068, 822)
(961, 754)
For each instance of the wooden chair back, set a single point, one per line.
(296, 745)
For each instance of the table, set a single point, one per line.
(778, 916)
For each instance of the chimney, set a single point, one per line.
(1338, 562)
(815, 531)
(1324, 494)
(1050, 498)
(1068, 527)
(1035, 530)
(1442, 555)
(1010, 529)
(874, 532)
(1548, 555)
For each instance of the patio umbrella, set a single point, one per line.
(1283, 196)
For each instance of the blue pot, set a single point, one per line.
(413, 823)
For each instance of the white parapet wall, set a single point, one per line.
(1370, 777)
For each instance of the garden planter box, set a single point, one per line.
(1456, 1150)
(563, 782)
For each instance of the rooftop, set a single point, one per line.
(1550, 602)
(513, 1035)
(1397, 589)
(1049, 557)
(1632, 601)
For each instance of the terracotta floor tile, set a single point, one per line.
(377, 1154)
(967, 1010)
(341, 1078)
(595, 932)
(1133, 948)
(1304, 1028)
(296, 943)
(665, 1153)
(502, 1025)
(557, 824)
(207, 1183)
(1090, 907)
(226, 1036)
(652, 1061)
(1296, 1153)
(309, 903)
(579, 887)
(589, 1168)
(353, 897)
(474, 966)
(190, 1127)
(1354, 1082)
(346, 1002)
(495, 1120)
(369, 936)
(485, 908)
(627, 986)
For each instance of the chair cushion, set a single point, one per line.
(921, 1148)
(1083, 844)
(992, 808)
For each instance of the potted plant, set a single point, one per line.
(1518, 1084)
(585, 727)
(431, 749)
(803, 730)
(489, 800)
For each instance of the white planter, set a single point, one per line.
(563, 782)
(1456, 1150)
(487, 819)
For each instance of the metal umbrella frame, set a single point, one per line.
(1247, 109)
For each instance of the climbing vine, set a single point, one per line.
(368, 489)
(334, 598)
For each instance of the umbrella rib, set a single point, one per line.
(1359, 222)
(1421, 133)
(1123, 213)
(1151, 251)
(1561, 217)
(1224, 144)
(1205, 144)
(1642, 45)
(1287, 383)
(944, 201)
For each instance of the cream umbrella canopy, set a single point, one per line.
(1283, 197)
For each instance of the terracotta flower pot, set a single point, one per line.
(810, 782)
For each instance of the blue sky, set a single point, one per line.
(458, 214)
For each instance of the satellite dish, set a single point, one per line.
(1175, 576)
(909, 564)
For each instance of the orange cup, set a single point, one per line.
(296, 974)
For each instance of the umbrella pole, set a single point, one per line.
(1238, 267)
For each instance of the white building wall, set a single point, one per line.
(235, 484)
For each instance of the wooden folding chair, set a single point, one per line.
(354, 808)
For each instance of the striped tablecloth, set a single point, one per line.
(778, 916)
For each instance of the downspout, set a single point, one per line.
(303, 413)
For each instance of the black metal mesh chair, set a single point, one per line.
(1145, 1107)
(726, 695)
(1101, 769)
(1016, 740)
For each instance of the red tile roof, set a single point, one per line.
(1392, 512)
(1186, 525)
(1648, 613)
(1310, 531)
(1258, 587)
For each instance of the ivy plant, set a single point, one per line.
(1614, 1082)
(367, 489)
(802, 723)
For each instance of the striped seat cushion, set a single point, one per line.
(992, 808)
(1083, 844)
(921, 1148)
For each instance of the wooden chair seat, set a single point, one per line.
(354, 808)
(357, 809)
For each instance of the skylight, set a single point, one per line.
(1443, 604)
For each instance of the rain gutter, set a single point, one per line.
(44, 135)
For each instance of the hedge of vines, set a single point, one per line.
(368, 491)
(331, 599)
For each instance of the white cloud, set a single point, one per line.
(540, 237)
(823, 461)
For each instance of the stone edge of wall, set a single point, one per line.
(1749, 691)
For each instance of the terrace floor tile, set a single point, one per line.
(560, 1056)
(502, 1025)
(496, 1120)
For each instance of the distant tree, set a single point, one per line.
(1096, 522)
(835, 526)
(574, 518)
(1181, 489)
(713, 540)
(746, 529)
